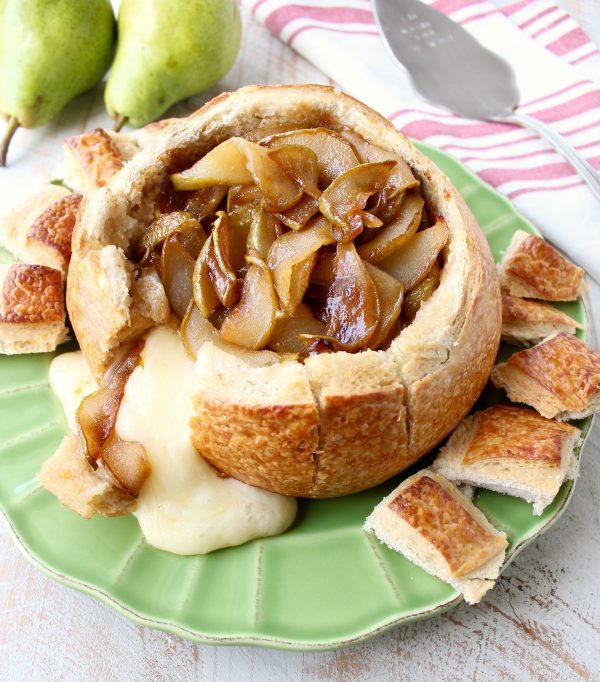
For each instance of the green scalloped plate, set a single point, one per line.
(321, 585)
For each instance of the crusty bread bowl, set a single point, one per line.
(339, 422)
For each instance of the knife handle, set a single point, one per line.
(562, 146)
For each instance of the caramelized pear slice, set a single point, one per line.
(352, 307)
(390, 294)
(301, 164)
(127, 462)
(296, 217)
(317, 344)
(299, 280)
(335, 155)
(240, 162)
(280, 190)
(386, 209)
(343, 201)
(289, 333)
(177, 269)
(251, 322)
(370, 220)
(323, 273)
(205, 200)
(167, 224)
(223, 165)
(396, 233)
(196, 330)
(415, 298)
(238, 232)
(193, 241)
(241, 198)
(264, 230)
(400, 179)
(97, 414)
(292, 255)
(205, 296)
(220, 267)
(414, 260)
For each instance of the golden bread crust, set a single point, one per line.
(559, 377)
(284, 437)
(32, 312)
(30, 294)
(516, 309)
(511, 450)
(508, 432)
(16, 224)
(533, 268)
(363, 435)
(430, 508)
(357, 427)
(53, 229)
(97, 156)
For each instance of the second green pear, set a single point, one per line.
(167, 51)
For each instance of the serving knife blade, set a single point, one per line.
(448, 66)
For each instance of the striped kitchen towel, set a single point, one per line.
(558, 73)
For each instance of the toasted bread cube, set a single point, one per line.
(44, 206)
(69, 476)
(32, 310)
(527, 322)
(48, 238)
(428, 520)
(91, 158)
(533, 269)
(511, 450)
(560, 378)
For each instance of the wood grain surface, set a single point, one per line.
(541, 622)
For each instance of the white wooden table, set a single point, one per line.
(541, 622)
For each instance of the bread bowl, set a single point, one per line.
(335, 423)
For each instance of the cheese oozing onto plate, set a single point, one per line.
(184, 507)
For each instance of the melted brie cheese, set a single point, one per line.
(184, 507)
(71, 380)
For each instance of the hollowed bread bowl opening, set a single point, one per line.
(333, 423)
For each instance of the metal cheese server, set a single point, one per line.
(449, 67)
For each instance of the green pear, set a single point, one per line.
(50, 51)
(167, 51)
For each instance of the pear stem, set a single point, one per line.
(120, 122)
(13, 124)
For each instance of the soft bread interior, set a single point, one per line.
(68, 475)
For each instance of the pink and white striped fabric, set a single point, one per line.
(558, 73)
